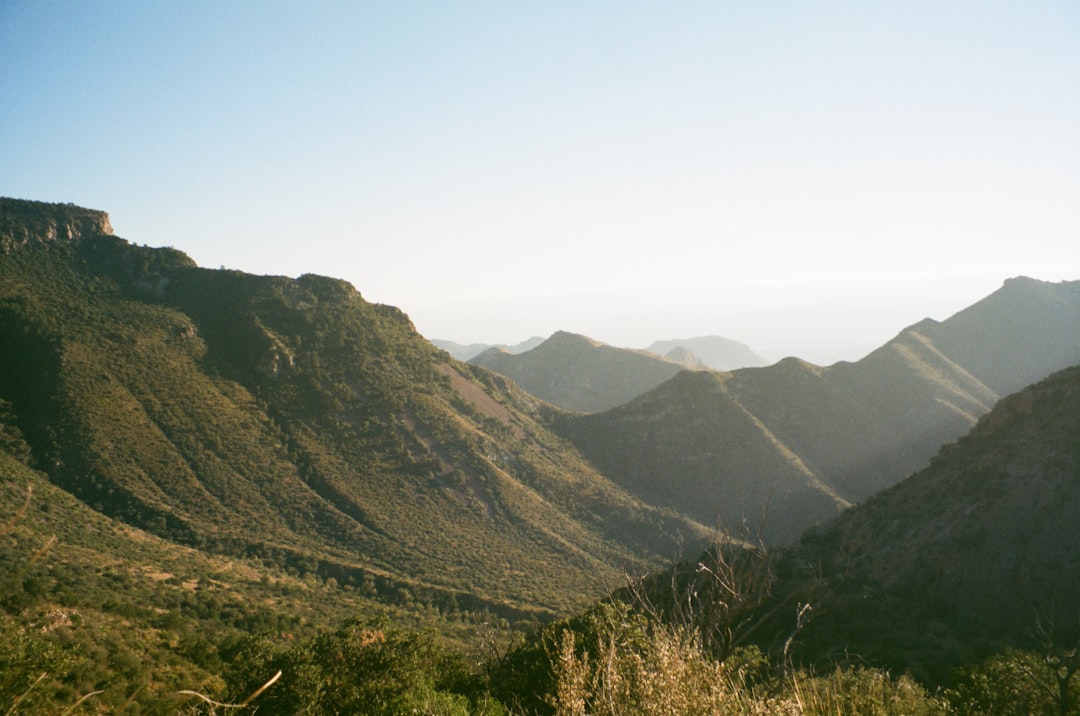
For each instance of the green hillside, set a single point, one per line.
(89, 604)
(292, 421)
(208, 478)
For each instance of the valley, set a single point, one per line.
(209, 476)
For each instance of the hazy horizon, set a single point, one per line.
(821, 324)
(805, 178)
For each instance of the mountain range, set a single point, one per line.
(190, 457)
(714, 352)
(803, 442)
(292, 421)
(970, 557)
(578, 373)
(466, 351)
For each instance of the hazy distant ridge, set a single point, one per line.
(716, 352)
(578, 373)
(465, 352)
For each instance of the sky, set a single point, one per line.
(806, 177)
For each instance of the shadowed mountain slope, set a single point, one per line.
(838, 433)
(966, 556)
(293, 421)
(578, 373)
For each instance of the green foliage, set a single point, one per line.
(30, 664)
(363, 667)
(1013, 683)
(100, 608)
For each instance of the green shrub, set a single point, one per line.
(1012, 682)
(363, 667)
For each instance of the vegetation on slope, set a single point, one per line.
(692, 445)
(973, 554)
(90, 606)
(293, 422)
(286, 480)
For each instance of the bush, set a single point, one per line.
(1012, 682)
(363, 667)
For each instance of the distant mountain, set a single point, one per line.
(466, 352)
(291, 421)
(685, 357)
(971, 555)
(577, 373)
(716, 352)
(804, 441)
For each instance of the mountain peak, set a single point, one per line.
(793, 364)
(578, 373)
(715, 352)
(1021, 281)
(24, 222)
(566, 338)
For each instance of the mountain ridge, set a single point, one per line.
(579, 373)
(292, 421)
(991, 518)
(857, 427)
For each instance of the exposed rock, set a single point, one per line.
(24, 222)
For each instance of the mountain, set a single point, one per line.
(716, 352)
(974, 553)
(802, 441)
(293, 422)
(686, 358)
(91, 605)
(577, 373)
(466, 352)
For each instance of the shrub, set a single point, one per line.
(1012, 682)
(363, 667)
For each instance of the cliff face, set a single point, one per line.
(25, 222)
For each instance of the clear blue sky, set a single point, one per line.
(808, 177)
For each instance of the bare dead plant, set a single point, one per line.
(214, 705)
(719, 596)
(1063, 664)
